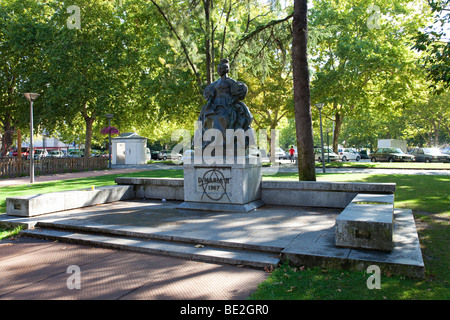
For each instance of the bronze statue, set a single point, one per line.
(224, 108)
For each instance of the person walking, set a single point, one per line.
(291, 153)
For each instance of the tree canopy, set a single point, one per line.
(148, 61)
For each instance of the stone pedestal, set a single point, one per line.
(223, 187)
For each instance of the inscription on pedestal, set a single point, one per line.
(214, 183)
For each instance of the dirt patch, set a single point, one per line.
(425, 220)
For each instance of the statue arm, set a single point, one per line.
(239, 90)
(208, 93)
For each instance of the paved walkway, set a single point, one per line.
(35, 269)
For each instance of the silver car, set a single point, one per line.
(329, 154)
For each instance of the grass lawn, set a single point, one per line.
(427, 195)
(429, 198)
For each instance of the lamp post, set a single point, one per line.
(320, 106)
(109, 116)
(31, 97)
(328, 145)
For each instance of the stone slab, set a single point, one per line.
(223, 207)
(33, 205)
(374, 198)
(182, 250)
(366, 226)
(319, 194)
(303, 236)
(155, 188)
(318, 249)
(405, 257)
(354, 187)
(27, 206)
(226, 183)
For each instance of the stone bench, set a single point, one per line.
(33, 205)
(289, 193)
(367, 223)
(155, 188)
(318, 193)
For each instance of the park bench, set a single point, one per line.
(367, 223)
(38, 204)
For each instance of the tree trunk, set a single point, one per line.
(302, 98)
(209, 62)
(436, 134)
(89, 119)
(337, 129)
(7, 137)
(88, 141)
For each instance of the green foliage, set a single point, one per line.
(147, 62)
(435, 44)
(23, 29)
(361, 66)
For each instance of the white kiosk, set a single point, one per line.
(129, 148)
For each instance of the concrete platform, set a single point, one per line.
(33, 205)
(304, 236)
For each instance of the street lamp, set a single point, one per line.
(109, 116)
(320, 106)
(31, 97)
(328, 145)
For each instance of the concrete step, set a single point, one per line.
(176, 249)
(130, 231)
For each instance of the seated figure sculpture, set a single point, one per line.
(224, 108)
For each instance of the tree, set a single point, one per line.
(92, 69)
(363, 62)
(22, 31)
(302, 99)
(430, 118)
(435, 44)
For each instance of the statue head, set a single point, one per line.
(223, 67)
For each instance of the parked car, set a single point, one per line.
(95, 153)
(280, 154)
(446, 151)
(329, 155)
(188, 156)
(25, 152)
(154, 155)
(167, 154)
(348, 154)
(391, 155)
(363, 154)
(40, 153)
(55, 154)
(429, 155)
(74, 154)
